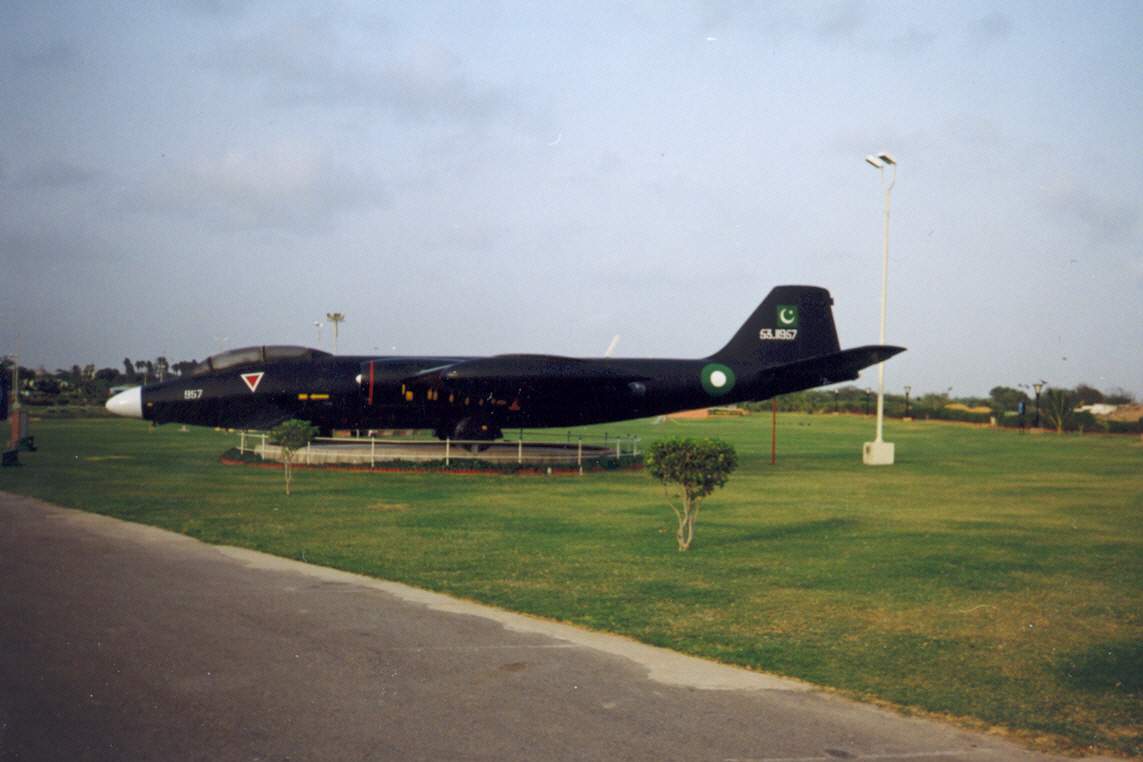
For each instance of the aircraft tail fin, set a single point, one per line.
(792, 323)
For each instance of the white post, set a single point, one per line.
(242, 442)
(446, 450)
(372, 451)
(879, 452)
(519, 451)
(884, 304)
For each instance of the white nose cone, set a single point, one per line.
(127, 403)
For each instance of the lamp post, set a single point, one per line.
(1038, 387)
(336, 318)
(18, 421)
(907, 390)
(879, 452)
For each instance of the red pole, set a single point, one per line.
(773, 431)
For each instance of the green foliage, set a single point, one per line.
(697, 466)
(1124, 427)
(291, 435)
(1005, 399)
(1087, 395)
(1058, 409)
(694, 468)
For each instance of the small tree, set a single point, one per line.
(1005, 399)
(291, 435)
(694, 468)
(1058, 407)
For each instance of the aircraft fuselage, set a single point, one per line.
(788, 344)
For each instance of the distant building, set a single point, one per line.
(1097, 408)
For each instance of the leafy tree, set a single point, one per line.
(291, 436)
(128, 369)
(184, 367)
(1005, 399)
(46, 385)
(1058, 407)
(1087, 395)
(692, 468)
(1119, 396)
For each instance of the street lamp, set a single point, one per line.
(336, 318)
(879, 452)
(1038, 387)
(907, 390)
(18, 419)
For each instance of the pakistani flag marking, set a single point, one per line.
(787, 316)
(717, 379)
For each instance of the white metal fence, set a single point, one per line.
(373, 450)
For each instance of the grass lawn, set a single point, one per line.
(987, 576)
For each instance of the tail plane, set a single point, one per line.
(793, 330)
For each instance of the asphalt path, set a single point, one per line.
(125, 642)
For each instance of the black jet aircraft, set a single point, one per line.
(788, 344)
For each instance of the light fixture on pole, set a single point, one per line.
(879, 452)
(1038, 388)
(336, 318)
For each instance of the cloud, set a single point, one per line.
(842, 20)
(53, 175)
(914, 40)
(1101, 220)
(989, 30)
(225, 8)
(287, 186)
(319, 62)
(51, 55)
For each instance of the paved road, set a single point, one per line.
(124, 642)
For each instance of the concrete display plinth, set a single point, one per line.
(877, 454)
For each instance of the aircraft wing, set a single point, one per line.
(529, 372)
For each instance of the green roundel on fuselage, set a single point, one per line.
(717, 379)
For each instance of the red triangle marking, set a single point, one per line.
(253, 379)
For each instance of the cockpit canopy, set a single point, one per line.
(233, 358)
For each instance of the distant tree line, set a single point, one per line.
(88, 385)
(1057, 406)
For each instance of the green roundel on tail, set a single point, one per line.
(717, 379)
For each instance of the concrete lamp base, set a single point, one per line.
(877, 454)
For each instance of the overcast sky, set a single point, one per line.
(478, 177)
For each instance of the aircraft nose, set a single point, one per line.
(127, 403)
